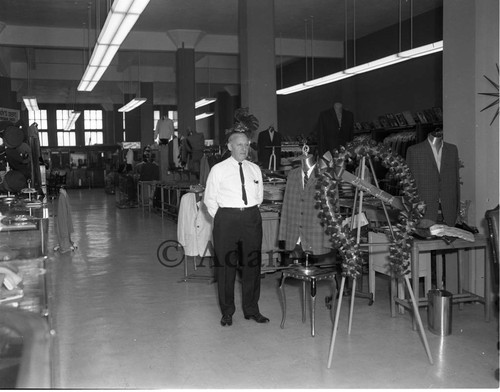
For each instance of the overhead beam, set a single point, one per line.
(49, 37)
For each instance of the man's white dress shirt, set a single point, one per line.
(223, 188)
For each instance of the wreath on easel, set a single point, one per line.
(327, 198)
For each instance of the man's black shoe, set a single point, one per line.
(258, 317)
(226, 320)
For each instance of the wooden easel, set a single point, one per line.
(361, 185)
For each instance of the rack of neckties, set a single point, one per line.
(399, 142)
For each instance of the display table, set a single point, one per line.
(461, 246)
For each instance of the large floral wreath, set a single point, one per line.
(327, 198)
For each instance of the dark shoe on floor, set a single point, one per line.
(257, 317)
(226, 320)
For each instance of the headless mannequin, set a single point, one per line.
(436, 138)
(337, 106)
(308, 162)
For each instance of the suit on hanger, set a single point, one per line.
(194, 226)
(299, 217)
(332, 134)
(264, 153)
(434, 185)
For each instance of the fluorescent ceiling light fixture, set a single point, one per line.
(31, 103)
(120, 20)
(132, 104)
(372, 65)
(423, 50)
(204, 102)
(71, 120)
(328, 79)
(203, 115)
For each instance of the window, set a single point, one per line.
(93, 137)
(156, 117)
(172, 114)
(43, 137)
(92, 119)
(40, 117)
(64, 138)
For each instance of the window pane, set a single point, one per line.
(93, 119)
(66, 138)
(156, 117)
(44, 139)
(93, 138)
(40, 117)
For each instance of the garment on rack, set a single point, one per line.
(194, 226)
(299, 217)
(401, 141)
(195, 144)
(64, 223)
(436, 187)
(335, 128)
(164, 129)
(266, 140)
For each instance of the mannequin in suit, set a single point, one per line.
(266, 139)
(335, 128)
(299, 218)
(435, 166)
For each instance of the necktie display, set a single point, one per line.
(243, 192)
(306, 178)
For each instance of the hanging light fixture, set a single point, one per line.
(367, 67)
(203, 115)
(72, 120)
(137, 101)
(120, 20)
(29, 100)
(31, 103)
(206, 100)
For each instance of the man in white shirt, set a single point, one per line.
(233, 193)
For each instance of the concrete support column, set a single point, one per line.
(146, 109)
(185, 78)
(257, 60)
(186, 41)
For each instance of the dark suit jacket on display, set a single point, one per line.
(434, 185)
(331, 134)
(299, 217)
(263, 141)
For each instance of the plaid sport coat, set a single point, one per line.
(434, 185)
(299, 217)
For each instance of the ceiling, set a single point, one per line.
(45, 44)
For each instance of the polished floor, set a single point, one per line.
(124, 320)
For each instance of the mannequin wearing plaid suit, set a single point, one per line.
(437, 186)
(299, 217)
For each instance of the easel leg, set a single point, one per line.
(336, 323)
(416, 317)
(351, 309)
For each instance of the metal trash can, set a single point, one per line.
(439, 312)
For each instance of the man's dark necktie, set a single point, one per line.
(243, 192)
(306, 178)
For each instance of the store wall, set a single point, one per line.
(471, 35)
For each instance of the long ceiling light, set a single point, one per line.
(132, 104)
(119, 22)
(204, 102)
(31, 103)
(380, 63)
(203, 115)
(71, 120)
